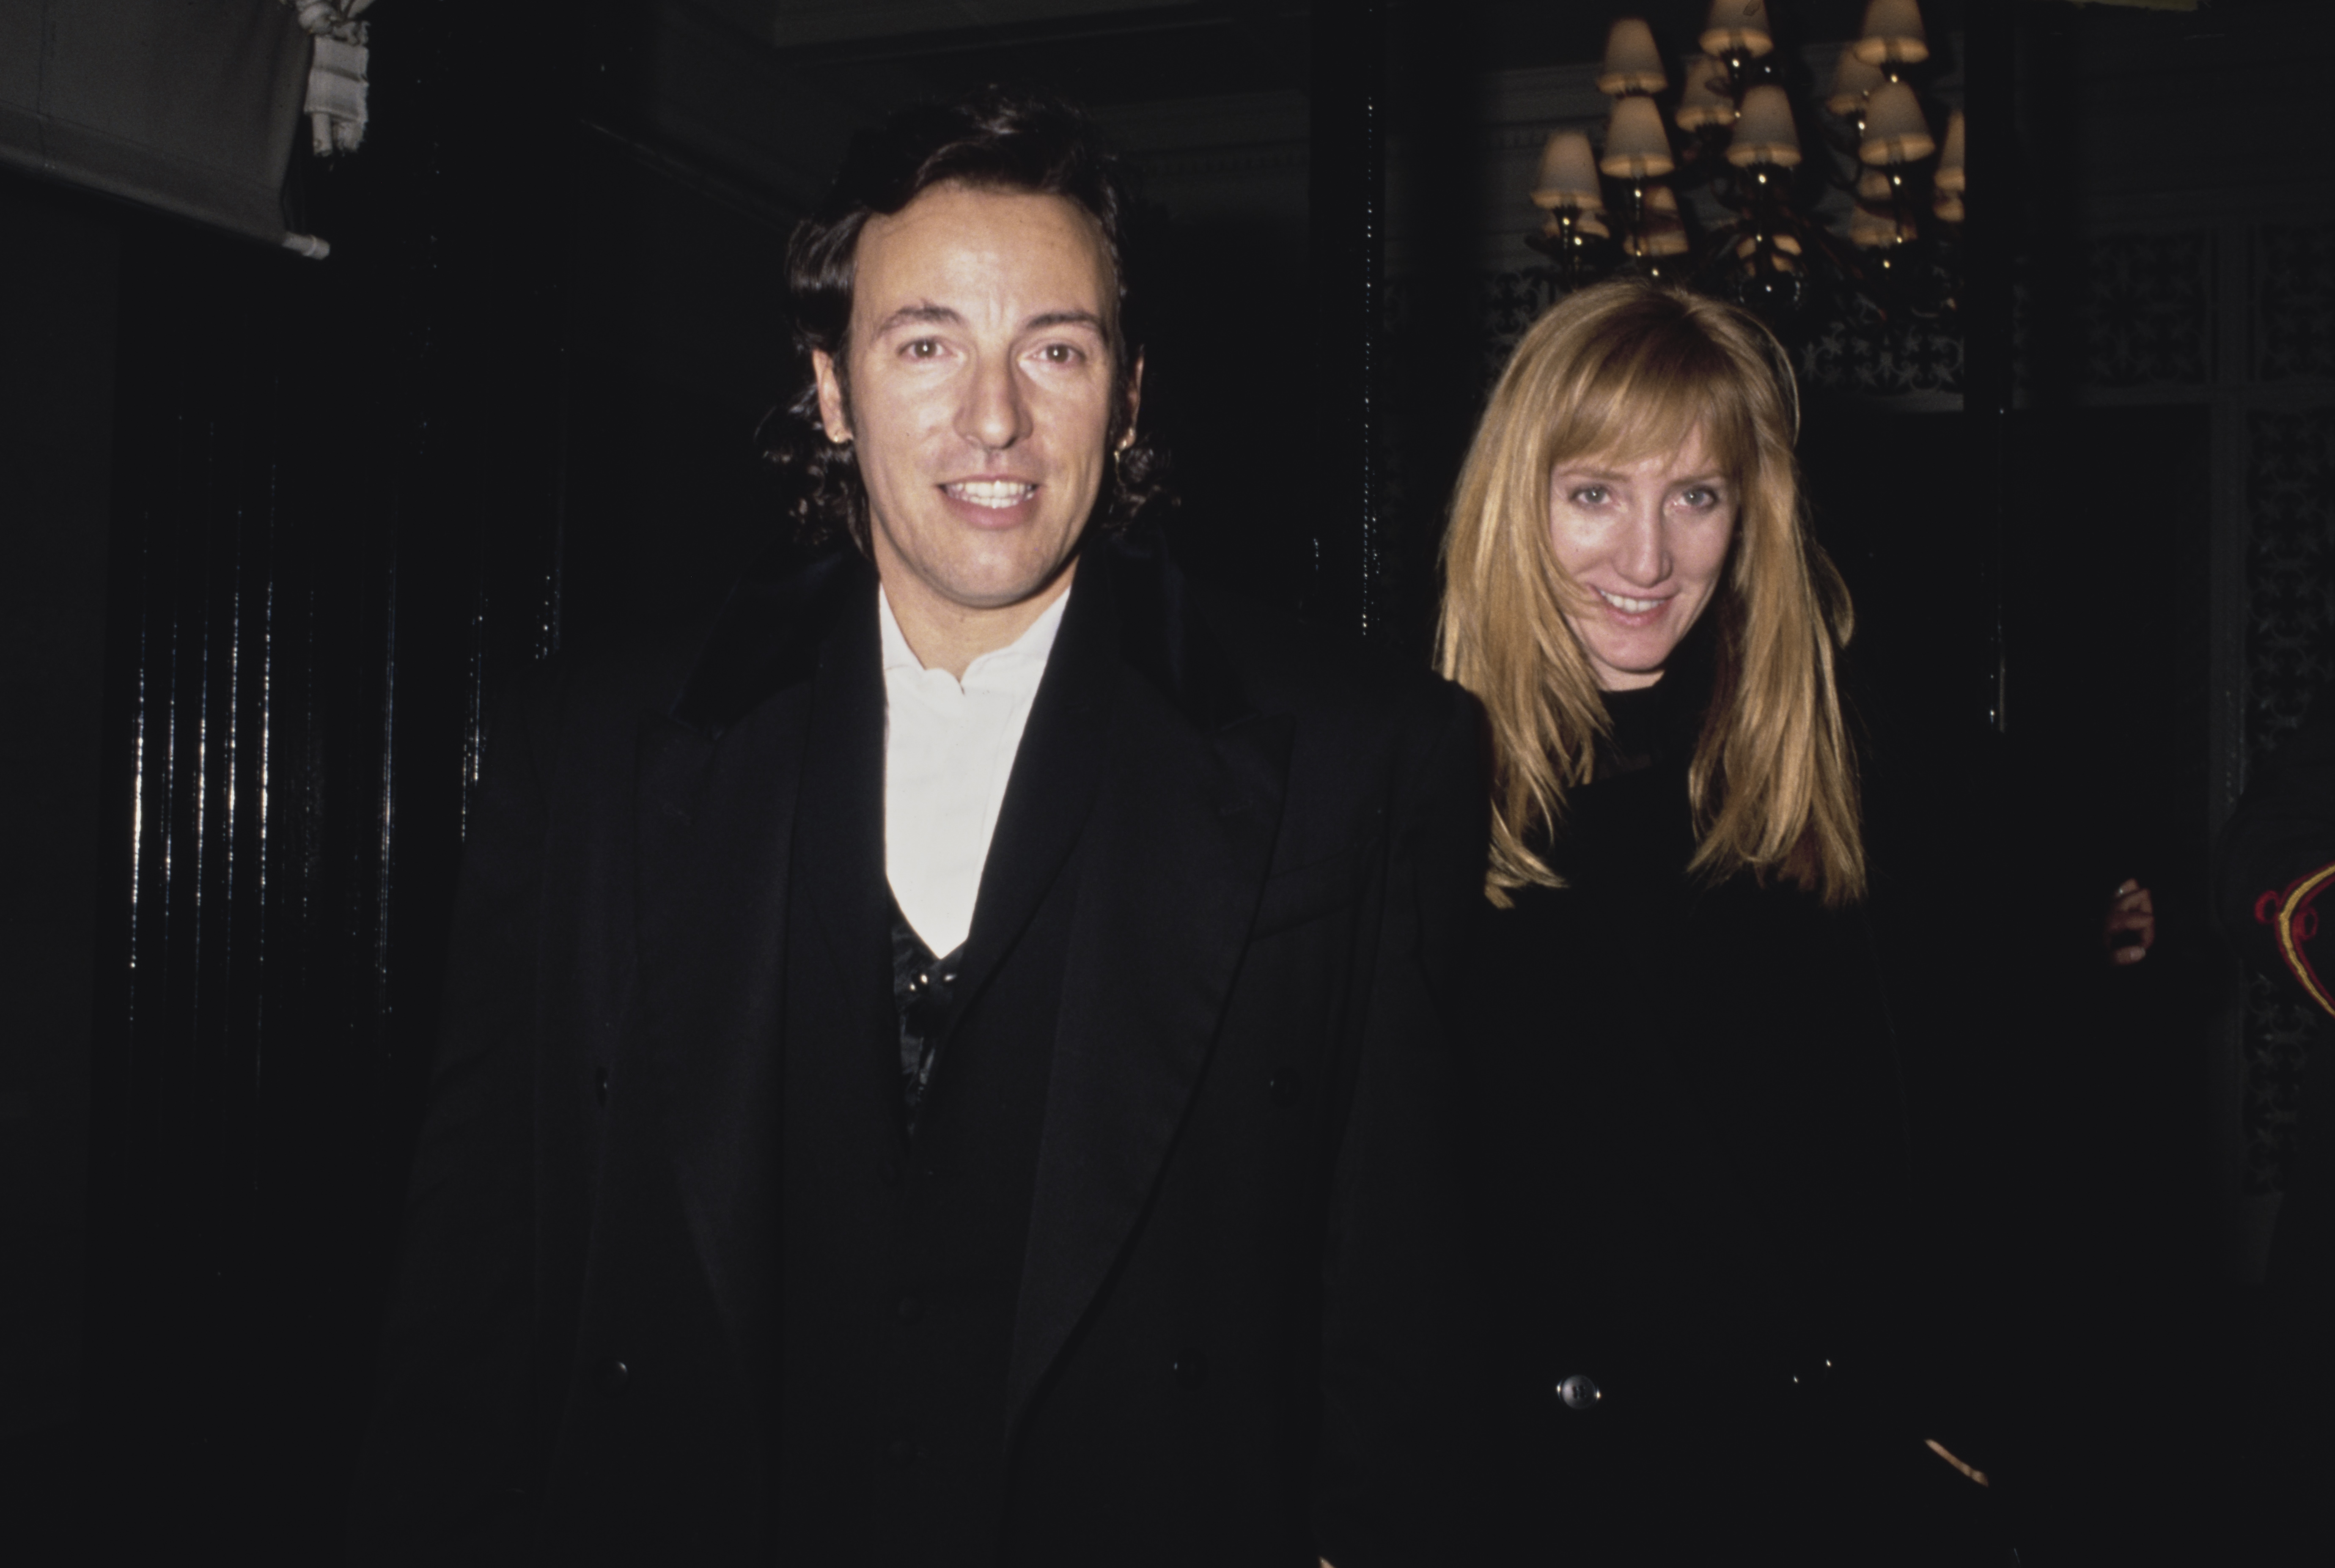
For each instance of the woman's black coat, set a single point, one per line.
(1691, 1161)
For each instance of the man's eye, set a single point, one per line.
(924, 348)
(1058, 353)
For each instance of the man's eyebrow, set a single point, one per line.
(1046, 318)
(930, 315)
(919, 315)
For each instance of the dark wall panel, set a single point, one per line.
(58, 263)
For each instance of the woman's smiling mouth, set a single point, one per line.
(1629, 606)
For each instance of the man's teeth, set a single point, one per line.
(1628, 607)
(992, 492)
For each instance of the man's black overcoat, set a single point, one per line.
(1235, 1335)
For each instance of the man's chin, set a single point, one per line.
(986, 585)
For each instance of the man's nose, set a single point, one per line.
(995, 413)
(1641, 555)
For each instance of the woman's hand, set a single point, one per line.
(2130, 910)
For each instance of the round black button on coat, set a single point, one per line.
(910, 1309)
(900, 1451)
(613, 1375)
(888, 1172)
(1190, 1369)
(1285, 1085)
(1580, 1393)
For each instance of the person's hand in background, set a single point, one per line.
(2129, 927)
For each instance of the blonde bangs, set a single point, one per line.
(1632, 399)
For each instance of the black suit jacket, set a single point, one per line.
(1235, 1334)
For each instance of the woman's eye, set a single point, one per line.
(1589, 495)
(1702, 497)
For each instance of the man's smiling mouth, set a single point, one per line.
(997, 493)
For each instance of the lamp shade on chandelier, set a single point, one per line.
(1568, 173)
(1853, 83)
(1764, 133)
(1702, 100)
(1633, 63)
(1636, 146)
(1893, 35)
(1738, 28)
(1949, 177)
(1895, 129)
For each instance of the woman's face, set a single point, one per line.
(1646, 541)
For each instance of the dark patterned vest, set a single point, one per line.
(924, 995)
(912, 1128)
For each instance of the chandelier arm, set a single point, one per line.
(1846, 143)
(1832, 177)
(1697, 164)
(1821, 240)
(1716, 248)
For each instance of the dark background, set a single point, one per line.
(278, 531)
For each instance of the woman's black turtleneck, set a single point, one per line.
(1691, 1140)
(1635, 722)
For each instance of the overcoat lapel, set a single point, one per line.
(1176, 850)
(1057, 771)
(839, 849)
(720, 775)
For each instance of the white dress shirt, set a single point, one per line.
(948, 751)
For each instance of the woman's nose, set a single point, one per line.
(1641, 554)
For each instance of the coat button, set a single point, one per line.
(900, 1451)
(612, 1374)
(910, 1309)
(1580, 1393)
(888, 1172)
(1284, 1087)
(1190, 1369)
(601, 1089)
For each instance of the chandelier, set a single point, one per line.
(1739, 123)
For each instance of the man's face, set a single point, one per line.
(981, 391)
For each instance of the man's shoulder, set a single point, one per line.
(1287, 665)
(704, 665)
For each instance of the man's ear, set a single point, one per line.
(1135, 392)
(831, 396)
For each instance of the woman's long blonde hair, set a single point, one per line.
(1618, 372)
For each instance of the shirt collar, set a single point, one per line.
(1019, 662)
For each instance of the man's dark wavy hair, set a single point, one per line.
(995, 139)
